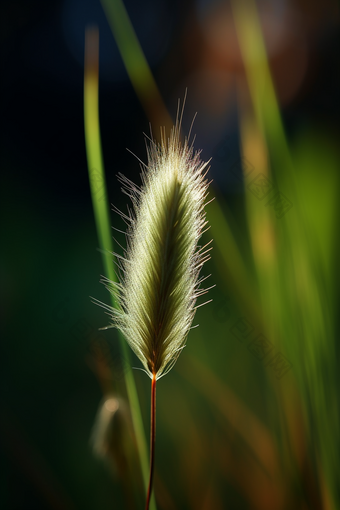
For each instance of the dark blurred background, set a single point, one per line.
(49, 262)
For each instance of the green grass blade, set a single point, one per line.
(136, 64)
(94, 153)
(260, 82)
(102, 218)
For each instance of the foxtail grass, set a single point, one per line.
(159, 273)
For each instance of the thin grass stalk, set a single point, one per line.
(152, 439)
(101, 213)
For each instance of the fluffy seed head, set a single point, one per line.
(159, 274)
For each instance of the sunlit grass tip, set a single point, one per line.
(159, 274)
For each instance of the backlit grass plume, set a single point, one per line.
(159, 284)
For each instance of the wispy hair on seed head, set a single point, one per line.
(159, 273)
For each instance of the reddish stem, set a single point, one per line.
(152, 438)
